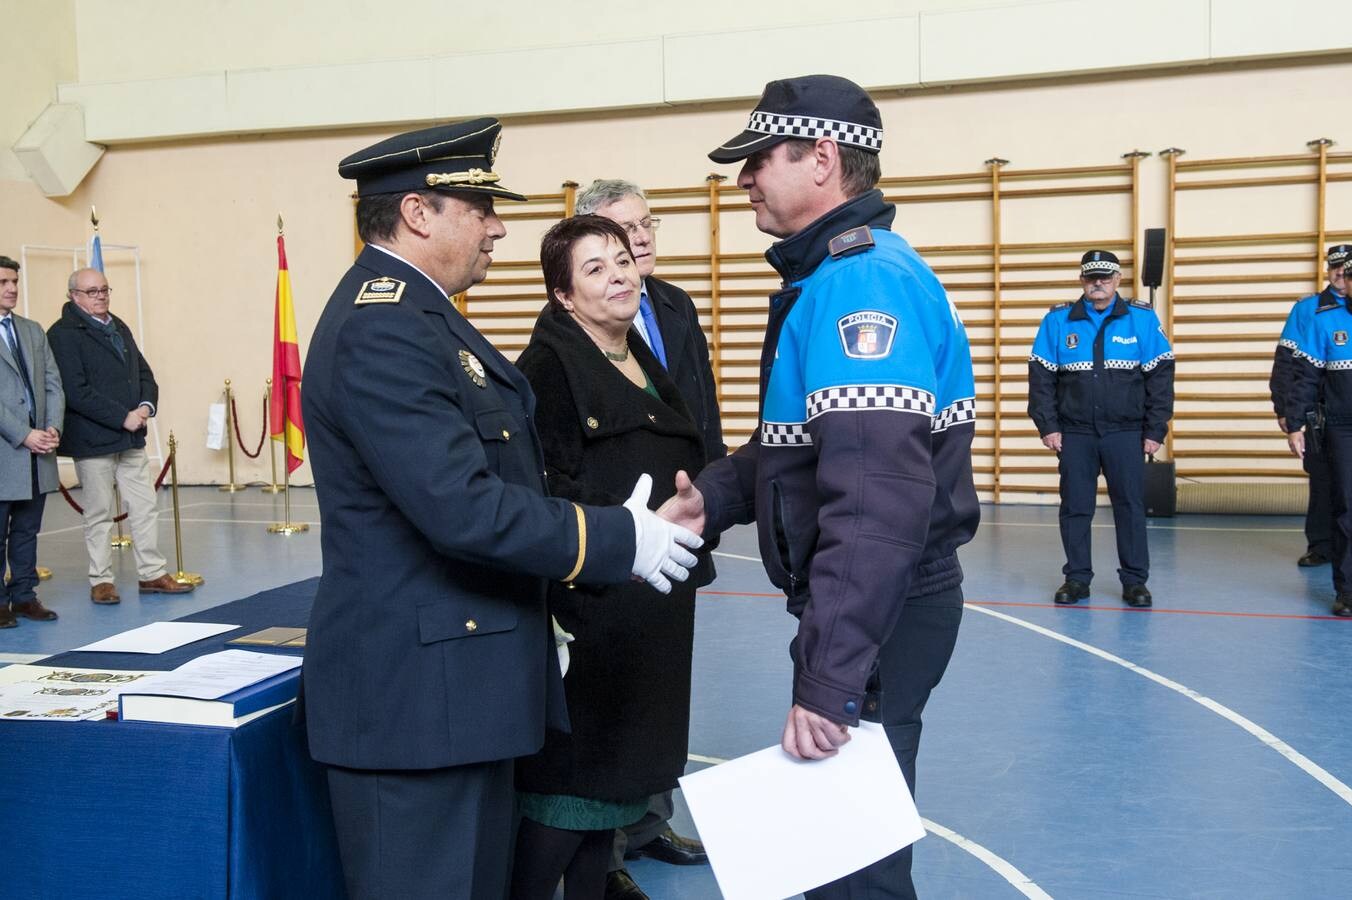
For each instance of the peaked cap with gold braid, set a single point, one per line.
(456, 157)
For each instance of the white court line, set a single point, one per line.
(737, 556)
(1303, 762)
(22, 658)
(163, 509)
(1003, 867)
(987, 524)
(1019, 881)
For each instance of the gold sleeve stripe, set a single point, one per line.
(581, 543)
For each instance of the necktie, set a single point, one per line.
(17, 349)
(645, 309)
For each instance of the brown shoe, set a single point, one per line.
(7, 619)
(104, 593)
(33, 609)
(165, 584)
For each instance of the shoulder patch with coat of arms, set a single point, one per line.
(380, 290)
(867, 334)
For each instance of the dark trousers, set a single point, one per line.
(1121, 459)
(654, 822)
(1338, 451)
(443, 833)
(1319, 525)
(20, 522)
(910, 665)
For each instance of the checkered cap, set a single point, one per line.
(1338, 254)
(1099, 262)
(809, 107)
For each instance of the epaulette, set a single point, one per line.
(1142, 304)
(1066, 305)
(380, 290)
(853, 241)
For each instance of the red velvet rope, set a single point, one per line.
(234, 414)
(159, 482)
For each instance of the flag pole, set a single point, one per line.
(286, 526)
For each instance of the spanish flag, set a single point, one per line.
(285, 423)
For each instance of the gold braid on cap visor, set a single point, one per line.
(473, 176)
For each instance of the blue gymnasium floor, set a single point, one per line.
(1199, 749)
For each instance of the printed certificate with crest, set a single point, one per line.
(61, 694)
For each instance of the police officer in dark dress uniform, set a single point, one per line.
(1101, 392)
(1318, 411)
(1319, 523)
(430, 661)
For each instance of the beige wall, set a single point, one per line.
(39, 53)
(203, 212)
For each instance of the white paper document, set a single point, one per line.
(56, 694)
(774, 826)
(214, 675)
(216, 426)
(157, 637)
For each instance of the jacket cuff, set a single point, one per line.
(841, 705)
(605, 544)
(1156, 434)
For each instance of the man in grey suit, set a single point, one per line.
(32, 404)
(669, 323)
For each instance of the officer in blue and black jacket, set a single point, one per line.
(1319, 512)
(1101, 392)
(859, 474)
(1318, 411)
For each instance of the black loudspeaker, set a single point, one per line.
(1152, 268)
(1161, 492)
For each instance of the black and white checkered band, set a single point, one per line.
(955, 413)
(1337, 258)
(1338, 365)
(1078, 367)
(1317, 363)
(864, 136)
(1167, 354)
(894, 397)
(1287, 343)
(1100, 265)
(785, 434)
(1121, 363)
(1045, 363)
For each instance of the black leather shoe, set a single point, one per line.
(1343, 606)
(1312, 559)
(670, 847)
(1071, 592)
(1137, 595)
(619, 886)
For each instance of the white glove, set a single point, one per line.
(659, 546)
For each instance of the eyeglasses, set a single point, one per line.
(94, 292)
(652, 223)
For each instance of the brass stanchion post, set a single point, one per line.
(286, 526)
(44, 573)
(180, 576)
(274, 487)
(119, 541)
(230, 487)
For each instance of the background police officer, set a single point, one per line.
(1319, 410)
(859, 474)
(1101, 392)
(430, 662)
(1319, 523)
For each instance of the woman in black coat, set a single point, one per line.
(606, 413)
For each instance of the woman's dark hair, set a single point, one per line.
(556, 249)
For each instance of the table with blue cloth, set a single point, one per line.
(142, 810)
